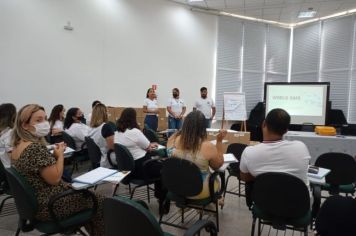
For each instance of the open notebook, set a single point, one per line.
(97, 176)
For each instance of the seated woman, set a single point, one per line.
(43, 171)
(102, 134)
(7, 120)
(56, 119)
(130, 135)
(191, 143)
(75, 128)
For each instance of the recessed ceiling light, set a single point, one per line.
(307, 14)
(195, 0)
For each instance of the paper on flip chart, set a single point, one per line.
(95, 175)
(229, 158)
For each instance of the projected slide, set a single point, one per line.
(297, 100)
(305, 102)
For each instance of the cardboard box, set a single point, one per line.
(231, 137)
(111, 113)
(140, 122)
(162, 112)
(139, 112)
(162, 123)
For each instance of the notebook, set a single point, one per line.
(322, 172)
(94, 176)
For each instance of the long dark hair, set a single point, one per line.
(148, 91)
(68, 121)
(127, 120)
(55, 114)
(7, 115)
(193, 132)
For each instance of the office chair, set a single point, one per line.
(282, 201)
(27, 206)
(140, 221)
(125, 162)
(234, 168)
(182, 186)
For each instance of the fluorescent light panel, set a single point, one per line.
(306, 14)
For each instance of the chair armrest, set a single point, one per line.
(69, 192)
(199, 225)
(215, 195)
(316, 191)
(109, 159)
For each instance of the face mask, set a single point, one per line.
(42, 129)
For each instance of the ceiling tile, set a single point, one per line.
(235, 3)
(271, 11)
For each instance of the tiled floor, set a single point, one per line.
(235, 218)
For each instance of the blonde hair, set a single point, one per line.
(99, 115)
(23, 117)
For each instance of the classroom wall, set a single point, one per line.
(118, 49)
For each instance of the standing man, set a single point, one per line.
(176, 109)
(206, 106)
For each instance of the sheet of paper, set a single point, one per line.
(229, 158)
(117, 177)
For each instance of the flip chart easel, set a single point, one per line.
(234, 108)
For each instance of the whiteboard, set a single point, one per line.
(235, 106)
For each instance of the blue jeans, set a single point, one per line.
(152, 122)
(208, 123)
(174, 123)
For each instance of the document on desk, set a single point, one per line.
(230, 158)
(322, 172)
(95, 176)
(117, 177)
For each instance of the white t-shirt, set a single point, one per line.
(5, 147)
(100, 141)
(58, 125)
(285, 156)
(151, 105)
(205, 106)
(176, 106)
(78, 131)
(134, 140)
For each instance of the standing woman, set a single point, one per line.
(150, 107)
(75, 128)
(43, 171)
(7, 120)
(56, 123)
(102, 133)
(176, 110)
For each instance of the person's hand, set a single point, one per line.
(56, 131)
(221, 135)
(58, 149)
(180, 117)
(152, 146)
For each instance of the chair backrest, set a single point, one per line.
(24, 195)
(3, 180)
(337, 216)
(124, 159)
(181, 177)
(236, 149)
(342, 166)
(127, 217)
(94, 152)
(281, 195)
(150, 134)
(69, 140)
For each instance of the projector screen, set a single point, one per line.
(305, 102)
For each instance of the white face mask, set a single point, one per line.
(42, 129)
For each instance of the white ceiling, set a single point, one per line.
(285, 11)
